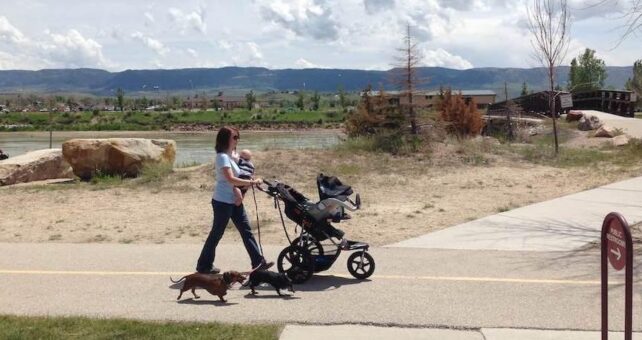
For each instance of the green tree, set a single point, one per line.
(635, 84)
(120, 97)
(524, 89)
(316, 100)
(300, 100)
(250, 99)
(343, 100)
(587, 72)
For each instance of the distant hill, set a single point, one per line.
(140, 82)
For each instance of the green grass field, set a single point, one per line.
(79, 121)
(18, 327)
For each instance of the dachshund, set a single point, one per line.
(277, 280)
(215, 284)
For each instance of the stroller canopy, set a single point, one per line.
(331, 187)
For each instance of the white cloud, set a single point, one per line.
(151, 43)
(224, 44)
(255, 51)
(194, 20)
(10, 33)
(442, 58)
(375, 6)
(303, 63)
(290, 33)
(149, 19)
(192, 52)
(72, 49)
(306, 18)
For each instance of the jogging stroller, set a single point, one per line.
(318, 243)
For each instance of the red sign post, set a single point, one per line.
(617, 246)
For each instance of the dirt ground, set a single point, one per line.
(402, 198)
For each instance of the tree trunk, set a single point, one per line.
(551, 101)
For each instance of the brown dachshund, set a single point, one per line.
(215, 284)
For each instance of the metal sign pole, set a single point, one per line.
(617, 248)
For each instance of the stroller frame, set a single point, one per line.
(306, 254)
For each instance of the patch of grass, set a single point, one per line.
(188, 164)
(155, 172)
(392, 143)
(102, 180)
(19, 327)
(567, 157)
(55, 237)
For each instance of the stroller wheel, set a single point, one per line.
(310, 243)
(297, 263)
(361, 265)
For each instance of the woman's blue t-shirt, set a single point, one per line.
(224, 190)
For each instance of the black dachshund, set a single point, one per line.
(277, 280)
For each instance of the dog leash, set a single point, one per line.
(258, 224)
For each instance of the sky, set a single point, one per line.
(357, 34)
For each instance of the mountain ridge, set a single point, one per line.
(102, 82)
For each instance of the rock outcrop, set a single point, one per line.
(588, 123)
(34, 166)
(116, 156)
(606, 131)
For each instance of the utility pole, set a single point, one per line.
(50, 128)
(508, 113)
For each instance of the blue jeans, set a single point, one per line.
(223, 212)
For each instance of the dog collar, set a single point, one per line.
(227, 279)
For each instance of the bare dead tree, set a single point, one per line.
(406, 77)
(633, 17)
(550, 24)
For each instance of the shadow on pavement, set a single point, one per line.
(218, 303)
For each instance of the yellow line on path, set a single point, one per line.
(374, 277)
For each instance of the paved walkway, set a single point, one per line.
(356, 332)
(411, 288)
(563, 224)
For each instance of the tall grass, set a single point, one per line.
(19, 327)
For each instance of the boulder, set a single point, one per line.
(588, 123)
(574, 116)
(34, 166)
(606, 131)
(620, 140)
(116, 156)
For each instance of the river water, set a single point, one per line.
(192, 147)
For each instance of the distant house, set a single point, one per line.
(430, 99)
(231, 102)
(237, 102)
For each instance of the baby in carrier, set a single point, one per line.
(246, 172)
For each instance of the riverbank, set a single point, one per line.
(402, 197)
(192, 146)
(261, 119)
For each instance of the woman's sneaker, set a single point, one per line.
(214, 270)
(265, 265)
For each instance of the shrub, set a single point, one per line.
(155, 172)
(95, 112)
(462, 118)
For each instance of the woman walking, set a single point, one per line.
(223, 204)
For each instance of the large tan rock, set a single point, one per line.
(34, 166)
(116, 156)
(574, 116)
(606, 131)
(588, 123)
(620, 140)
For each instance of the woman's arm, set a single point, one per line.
(229, 176)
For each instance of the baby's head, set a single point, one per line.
(245, 154)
